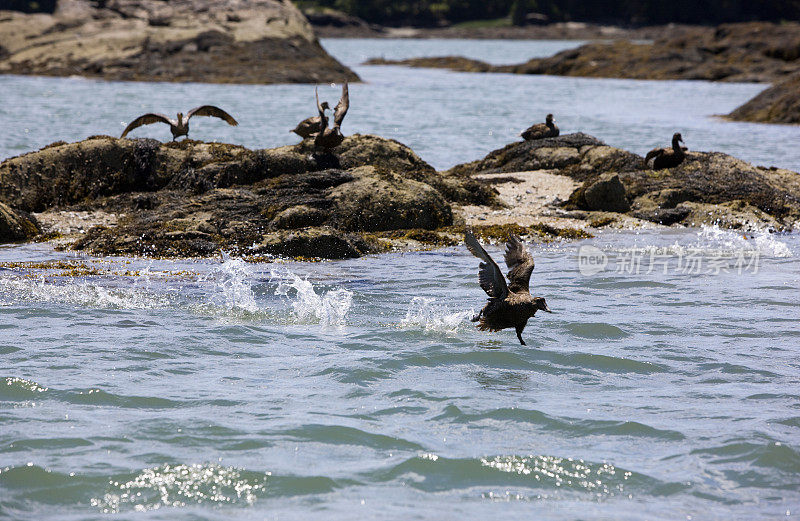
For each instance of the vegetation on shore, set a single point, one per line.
(642, 12)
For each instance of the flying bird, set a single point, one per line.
(329, 138)
(510, 304)
(541, 130)
(660, 158)
(313, 125)
(180, 126)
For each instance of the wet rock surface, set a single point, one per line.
(16, 226)
(213, 41)
(194, 199)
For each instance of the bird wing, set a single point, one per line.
(307, 127)
(520, 265)
(211, 110)
(319, 107)
(490, 277)
(653, 154)
(534, 131)
(341, 108)
(147, 119)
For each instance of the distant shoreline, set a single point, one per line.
(479, 31)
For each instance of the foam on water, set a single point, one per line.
(230, 288)
(761, 241)
(81, 292)
(329, 308)
(426, 314)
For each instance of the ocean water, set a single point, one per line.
(446, 117)
(664, 386)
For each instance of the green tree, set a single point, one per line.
(519, 12)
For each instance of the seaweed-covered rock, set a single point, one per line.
(550, 153)
(665, 216)
(323, 242)
(385, 201)
(708, 188)
(736, 215)
(716, 178)
(16, 226)
(365, 149)
(453, 63)
(192, 198)
(616, 180)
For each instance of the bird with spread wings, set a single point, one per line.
(329, 138)
(180, 126)
(510, 303)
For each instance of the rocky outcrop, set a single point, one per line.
(777, 104)
(214, 41)
(577, 155)
(716, 178)
(708, 187)
(746, 52)
(757, 51)
(16, 226)
(453, 63)
(192, 199)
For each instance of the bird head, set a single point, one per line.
(549, 119)
(325, 106)
(540, 304)
(180, 117)
(677, 136)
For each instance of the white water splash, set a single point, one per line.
(763, 242)
(80, 293)
(231, 289)
(330, 308)
(424, 313)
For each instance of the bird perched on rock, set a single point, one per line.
(313, 125)
(660, 158)
(511, 304)
(541, 130)
(329, 138)
(180, 126)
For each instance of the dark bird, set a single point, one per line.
(541, 130)
(510, 305)
(329, 138)
(313, 125)
(667, 157)
(179, 127)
